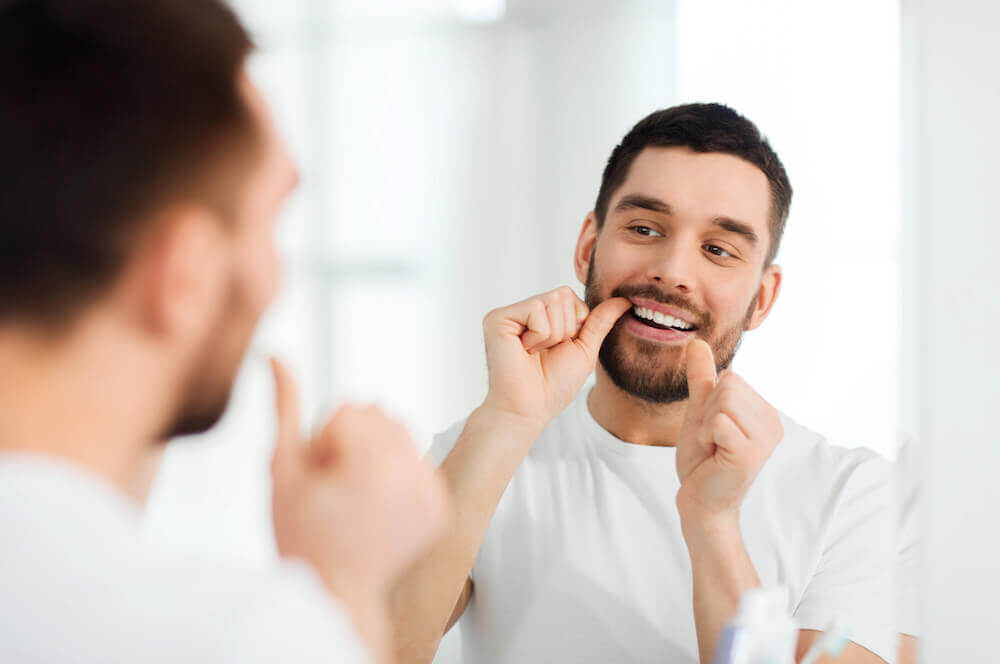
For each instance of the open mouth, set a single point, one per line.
(660, 321)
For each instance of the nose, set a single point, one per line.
(672, 267)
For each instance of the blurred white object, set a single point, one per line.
(761, 633)
(832, 642)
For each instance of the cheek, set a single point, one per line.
(616, 264)
(261, 269)
(731, 300)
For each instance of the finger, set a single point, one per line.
(600, 321)
(557, 321)
(734, 397)
(758, 422)
(572, 325)
(536, 324)
(727, 437)
(286, 397)
(352, 425)
(700, 368)
(324, 441)
(582, 311)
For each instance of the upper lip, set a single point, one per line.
(664, 309)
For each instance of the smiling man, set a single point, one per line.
(624, 522)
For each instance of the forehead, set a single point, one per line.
(275, 172)
(704, 185)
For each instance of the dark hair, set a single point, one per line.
(702, 128)
(110, 111)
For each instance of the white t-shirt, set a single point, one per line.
(907, 564)
(584, 560)
(79, 583)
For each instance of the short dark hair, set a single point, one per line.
(702, 128)
(110, 111)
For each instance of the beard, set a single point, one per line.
(646, 369)
(206, 391)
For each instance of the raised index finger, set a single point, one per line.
(286, 396)
(700, 373)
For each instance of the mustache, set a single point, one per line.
(703, 318)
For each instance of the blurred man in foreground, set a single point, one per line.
(141, 180)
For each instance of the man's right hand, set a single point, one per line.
(540, 351)
(357, 503)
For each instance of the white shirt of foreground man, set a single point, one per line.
(138, 255)
(80, 584)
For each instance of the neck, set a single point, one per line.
(89, 397)
(632, 419)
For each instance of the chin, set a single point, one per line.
(199, 417)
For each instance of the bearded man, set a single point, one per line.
(623, 523)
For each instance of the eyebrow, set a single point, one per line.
(643, 202)
(738, 227)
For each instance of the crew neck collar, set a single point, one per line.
(604, 439)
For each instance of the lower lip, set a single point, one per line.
(654, 333)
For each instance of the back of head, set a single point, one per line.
(701, 128)
(111, 110)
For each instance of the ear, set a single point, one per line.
(585, 247)
(185, 272)
(770, 286)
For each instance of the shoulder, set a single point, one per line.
(824, 475)
(293, 618)
(809, 452)
(249, 614)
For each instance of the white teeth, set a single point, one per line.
(660, 318)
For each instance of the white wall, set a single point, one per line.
(821, 80)
(953, 53)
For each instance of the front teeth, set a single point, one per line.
(661, 318)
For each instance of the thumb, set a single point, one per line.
(700, 370)
(287, 448)
(600, 321)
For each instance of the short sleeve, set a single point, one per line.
(443, 443)
(294, 619)
(853, 580)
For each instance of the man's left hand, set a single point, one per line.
(728, 434)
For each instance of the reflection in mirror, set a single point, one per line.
(451, 153)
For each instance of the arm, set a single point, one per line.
(728, 433)
(433, 593)
(907, 649)
(722, 572)
(539, 352)
(852, 654)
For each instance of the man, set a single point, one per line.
(589, 524)
(141, 180)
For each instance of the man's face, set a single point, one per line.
(685, 239)
(252, 281)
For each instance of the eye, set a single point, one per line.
(716, 250)
(646, 231)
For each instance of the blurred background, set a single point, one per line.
(450, 150)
